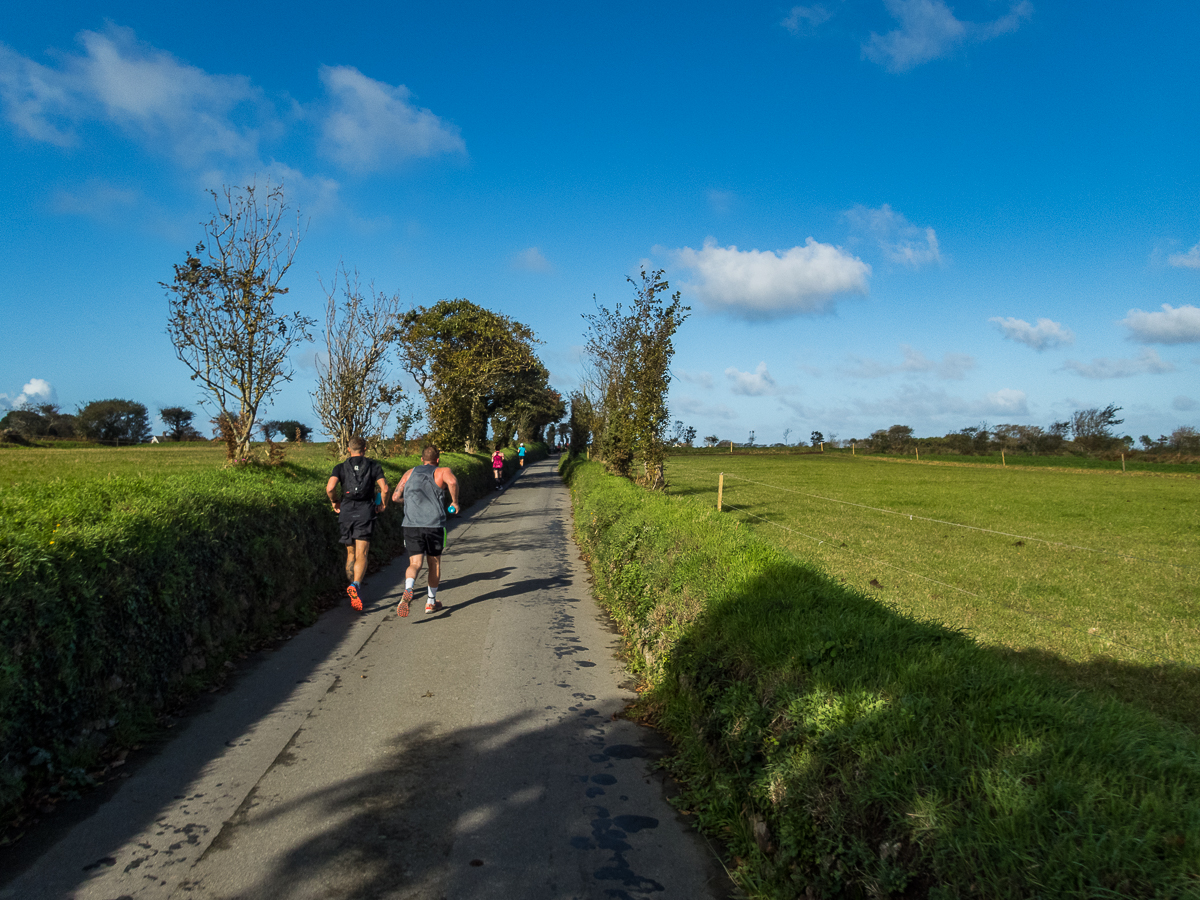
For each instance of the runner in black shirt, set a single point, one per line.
(364, 490)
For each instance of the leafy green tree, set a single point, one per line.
(289, 429)
(579, 425)
(469, 364)
(25, 422)
(223, 320)
(630, 357)
(114, 422)
(178, 420)
(1092, 428)
(816, 438)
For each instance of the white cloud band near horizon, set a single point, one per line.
(756, 284)
(1148, 362)
(1042, 336)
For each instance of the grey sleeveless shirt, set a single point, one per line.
(423, 506)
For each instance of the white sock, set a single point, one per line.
(408, 583)
(432, 594)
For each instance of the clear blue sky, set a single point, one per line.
(880, 211)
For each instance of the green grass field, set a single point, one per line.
(1092, 576)
(23, 464)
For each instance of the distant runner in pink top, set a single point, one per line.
(497, 467)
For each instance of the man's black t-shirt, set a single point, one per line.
(358, 508)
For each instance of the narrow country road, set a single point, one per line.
(467, 754)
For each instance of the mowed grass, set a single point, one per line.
(1092, 577)
(25, 464)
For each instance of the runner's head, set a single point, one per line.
(430, 455)
(356, 445)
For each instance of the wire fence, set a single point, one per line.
(825, 539)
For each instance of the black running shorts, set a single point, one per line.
(356, 524)
(424, 541)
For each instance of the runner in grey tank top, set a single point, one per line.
(423, 499)
(421, 490)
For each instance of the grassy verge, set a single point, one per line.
(844, 749)
(119, 594)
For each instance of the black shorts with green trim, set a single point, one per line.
(424, 541)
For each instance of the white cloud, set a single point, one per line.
(1184, 404)
(530, 260)
(1189, 260)
(693, 407)
(954, 366)
(166, 104)
(900, 240)
(1043, 336)
(95, 199)
(928, 30)
(702, 379)
(763, 284)
(1174, 325)
(752, 384)
(1006, 402)
(36, 390)
(917, 402)
(36, 99)
(1147, 362)
(371, 125)
(805, 19)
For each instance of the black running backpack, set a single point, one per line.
(357, 484)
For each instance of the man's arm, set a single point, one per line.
(400, 487)
(329, 486)
(382, 484)
(445, 479)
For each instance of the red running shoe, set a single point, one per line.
(355, 600)
(402, 606)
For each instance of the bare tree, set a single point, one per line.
(353, 394)
(222, 318)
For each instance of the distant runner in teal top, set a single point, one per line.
(421, 490)
(521, 455)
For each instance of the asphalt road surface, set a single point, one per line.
(471, 753)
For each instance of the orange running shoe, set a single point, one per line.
(355, 600)
(402, 606)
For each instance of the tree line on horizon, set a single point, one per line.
(1086, 431)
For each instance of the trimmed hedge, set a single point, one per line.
(117, 595)
(844, 750)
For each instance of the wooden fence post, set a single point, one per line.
(852, 448)
(731, 446)
(918, 454)
(720, 490)
(1002, 462)
(1122, 462)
